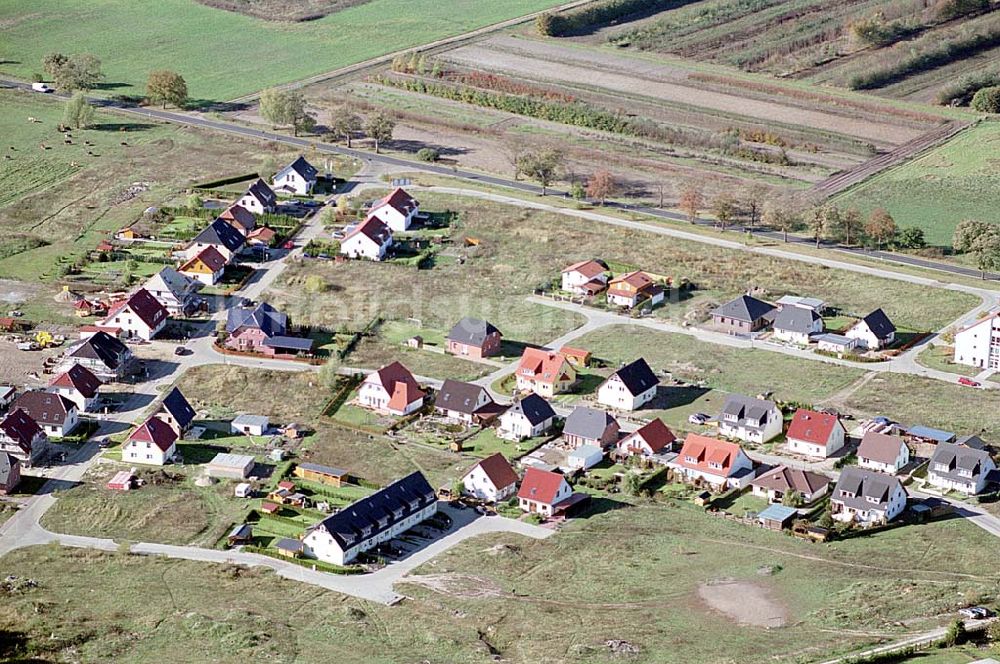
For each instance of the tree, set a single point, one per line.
(542, 166)
(428, 154)
(80, 72)
(379, 128)
(851, 224)
(601, 185)
(78, 113)
(194, 201)
(880, 227)
(632, 483)
(752, 198)
(166, 87)
(691, 201)
(823, 221)
(780, 215)
(791, 498)
(911, 238)
(344, 123)
(286, 107)
(956, 634)
(987, 100)
(724, 208)
(52, 62)
(981, 239)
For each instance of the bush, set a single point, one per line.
(428, 154)
(961, 92)
(987, 100)
(599, 13)
(949, 9)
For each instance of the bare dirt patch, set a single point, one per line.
(459, 585)
(279, 10)
(744, 602)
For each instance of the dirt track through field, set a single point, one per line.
(569, 66)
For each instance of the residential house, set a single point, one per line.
(397, 210)
(391, 389)
(299, 177)
(978, 344)
(104, 355)
(882, 452)
(716, 462)
(370, 239)
(797, 324)
(744, 315)
(178, 293)
(814, 434)
(474, 338)
(240, 218)
(960, 468)
(10, 473)
(79, 385)
(526, 418)
(775, 483)
(589, 426)
(54, 413)
(464, 402)
(750, 420)
(22, 438)
(219, 234)
(874, 331)
(250, 327)
(372, 520)
(632, 288)
(492, 479)
(630, 387)
(250, 425)
(261, 237)
(176, 412)
(867, 497)
(650, 440)
(154, 443)
(586, 278)
(140, 316)
(542, 491)
(206, 267)
(543, 372)
(259, 198)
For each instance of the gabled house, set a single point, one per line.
(883, 453)
(370, 239)
(259, 198)
(805, 484)
(10, 473)
(649, 440)
(54, 413)
(140, 316)
(464, 402)
(978, 344)
(299, 177)
(106, 356)
(397, 210)
(22, 438)
(543, 372)
(814, 434)
(750, 420)
(630, 289)
(874, 331)
(391, 389)
(219, 234)
(206, 267)
(475, 338)
(589, 426)
(743, 315)
(79, 385)
(713, 461)
(261, 237)
(178, 293)
(796, 324)
(492, 479)
(630, 387)
(240, 218)
(960, 468)
(176, 412)
(542, 491)
(526, 418)
(866, 497)
(154, 443)
(586, 278)
(250, 327)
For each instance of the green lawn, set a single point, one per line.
(942, 359)
(957, 181)
(223, 54)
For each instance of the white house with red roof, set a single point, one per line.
(630, 289)
(141, 315)
(814, 434)
(651, 439)
(717, 462)
(370, 239)
(391, 389)
(542, 490)
(543, 372)
(79, 385)
(883, 453)
(54, 413)
(492, 479)
(154, 443)
(396, 210)
(22, 438)
(585, 278)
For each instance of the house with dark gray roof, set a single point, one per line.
(464, 402)
(874, 331)
(299, 177)
(526, 418)
(743, 315)
(960, 468)
(249, 328)
(259, 198)
(590, 426)
(10, 473)
(106, 356)
(176, 411)
(867, 497)
(219, 234)
(796, 324)
(475, 338)
(630, 387)
(750, 420)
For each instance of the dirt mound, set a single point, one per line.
(744, 602)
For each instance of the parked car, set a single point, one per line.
(181, 350)
(41, 87)
(289, 244)
(975, 612)
(969, 382)
(698, 418)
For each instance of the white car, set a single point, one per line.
(974, 612)
(41, 87)
(698, 418)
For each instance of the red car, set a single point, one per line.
(290, 244)
(968, 381)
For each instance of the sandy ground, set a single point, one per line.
(744, 602)
(20, 367)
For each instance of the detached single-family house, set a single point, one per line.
(526, 418)
(960, 468)
(587, 278)
(464, 402)
(397, 210)
(713, 461)
(54, 413)
(10, 473)
(874, 331)
(299, 177)
(140, 316)
(632, 288)
(492, 479)
(178, 293)
(153, 443)
(750, 420)
(249, 328)
(773, 484)
(589, 426)
(978, 344)
(22, 438)
(219, 234)
(545, 373)
(882, 452)
(814, 434)
(79, 385)
(391, 389)
(240, 218)
(542, 491)
(475, 338)
(744, 315)
(796, 324)
(206, 267)
(649, 440)
(629, 388)
(176, 412)
(866, 497)
(372, 520)
(370, 239)
(106, 356)
(259, 198)
(250, 425)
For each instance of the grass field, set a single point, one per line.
(132, 39)
(285, 396)
(957, 181)
(942, 358)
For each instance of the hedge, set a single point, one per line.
(596, 14)
(222, 182)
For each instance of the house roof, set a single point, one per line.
(289, 343)
(154, 431)
(747, 408)
(7, 465)
(959, 457)
(880, 447)
(101, 346)
(589, 269)
(637, 377)
(221, 233)
(238, 215)
(178, 407)
(305, 170)
(146, 307)
(777, 512)
(262, 193)
(835, 339)
(323, 470)
(813, 303)
(241, 531)
(45, 407)
(211, 258)
(534, 408)
(262, 234)
(20, 427)
(79, 378)
(399, 200)
(860, 485)
(704, 451)
(655, 433)
(498, 470)
(744, 308)
(263, 317)
(782, 478)
(460, 396)
(288, 544)
(169, 279)
(971, 440)
(636, 279)
(540, 485)
(472, 331)
(541, 365)
(373, 228)
(812, 427)
(878, 323)
(228, 460)
(795, 319)
(588, 423)
(251, 420)
(931, 433)
(393, 373)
